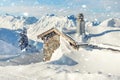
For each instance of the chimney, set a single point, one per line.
(80, 25)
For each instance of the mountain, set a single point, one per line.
(109, 27)
(11, 22)
(16, 22)
(47, 22)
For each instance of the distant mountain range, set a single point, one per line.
(10, 26)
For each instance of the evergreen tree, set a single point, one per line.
(23, 41)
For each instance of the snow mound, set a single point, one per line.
(112, 22)
(7, 48)
(64, 46)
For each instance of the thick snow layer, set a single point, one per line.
(63, 47)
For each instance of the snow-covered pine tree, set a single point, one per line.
(23, 41)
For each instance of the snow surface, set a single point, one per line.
(72, 65)
(42, 71)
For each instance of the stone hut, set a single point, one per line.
(51, 40)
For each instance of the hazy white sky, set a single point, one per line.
(91, 8)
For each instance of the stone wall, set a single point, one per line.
(50, 45)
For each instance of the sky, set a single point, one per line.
(92, 9)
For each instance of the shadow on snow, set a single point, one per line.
(64, 60)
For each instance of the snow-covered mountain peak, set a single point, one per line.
(11, 22)
(16, 22)
(111, 22)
